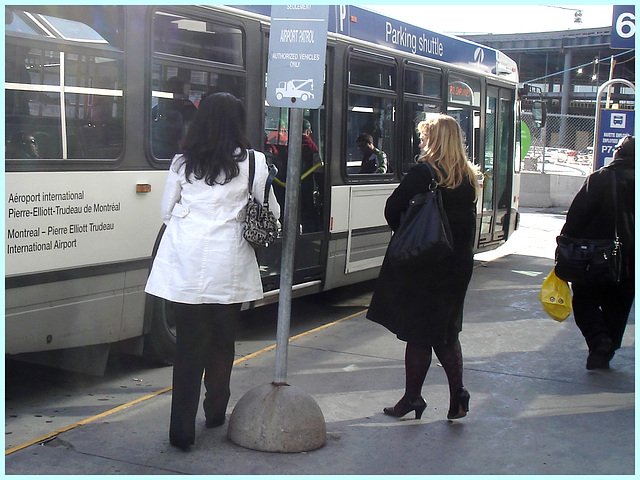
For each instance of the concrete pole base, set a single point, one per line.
(277, 418)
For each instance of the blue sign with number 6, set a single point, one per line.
(623, 30)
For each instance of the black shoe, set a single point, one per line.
(459, 404)
(406, 405)
(215, 422)
(597, 360)
(184, 445)
(600, 355)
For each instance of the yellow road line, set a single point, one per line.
(160, 392)
(85, 421)
(303, 334)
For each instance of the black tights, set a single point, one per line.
(417, 360)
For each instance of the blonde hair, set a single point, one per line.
(444, 149)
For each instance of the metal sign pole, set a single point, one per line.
(295, 80)
(279, 417)
(294, 171)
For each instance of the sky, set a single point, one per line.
(472, 19)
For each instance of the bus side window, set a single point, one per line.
(422, 96)
(40, 82)
(171, 117)
(95, 120)
(371, 115)
(374, 117)
(193, 58)
(32, 118)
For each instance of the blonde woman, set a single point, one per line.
(423, 307)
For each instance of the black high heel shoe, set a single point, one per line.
(406, 405)
(459, 405)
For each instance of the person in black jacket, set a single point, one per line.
(601, 312)
(423, 307)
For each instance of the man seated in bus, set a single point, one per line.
(21, 145)
(373, 159)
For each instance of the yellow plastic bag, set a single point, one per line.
(555, 296)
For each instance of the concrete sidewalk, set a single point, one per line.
(535, 409)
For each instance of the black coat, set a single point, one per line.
(591, 214)
(424, 307)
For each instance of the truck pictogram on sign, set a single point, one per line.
(295, 89)
(297, 51)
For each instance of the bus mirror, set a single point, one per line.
(539, 110)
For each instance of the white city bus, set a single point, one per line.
(97, 99)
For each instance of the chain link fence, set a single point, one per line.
(563, 146)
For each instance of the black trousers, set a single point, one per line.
(603, 311)
(205, 341)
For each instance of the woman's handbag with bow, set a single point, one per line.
(424, 236)
(260, 224)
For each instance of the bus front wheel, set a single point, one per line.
(160, 345)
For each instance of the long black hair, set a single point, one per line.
(215, 134)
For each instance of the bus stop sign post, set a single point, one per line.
(294, 170)
(278, 417)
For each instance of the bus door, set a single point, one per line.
(464, 95)
(497, 164)
(309, 266)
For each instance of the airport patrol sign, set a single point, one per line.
(297, 50)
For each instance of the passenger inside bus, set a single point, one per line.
(21, 145)
(171, 119)
(373, 159)
(280, 136)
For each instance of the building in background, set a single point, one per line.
(569, 66)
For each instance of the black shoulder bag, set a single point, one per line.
(423, 237)
(260, 224)
(591, 261)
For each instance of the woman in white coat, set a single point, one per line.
(204, 266)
